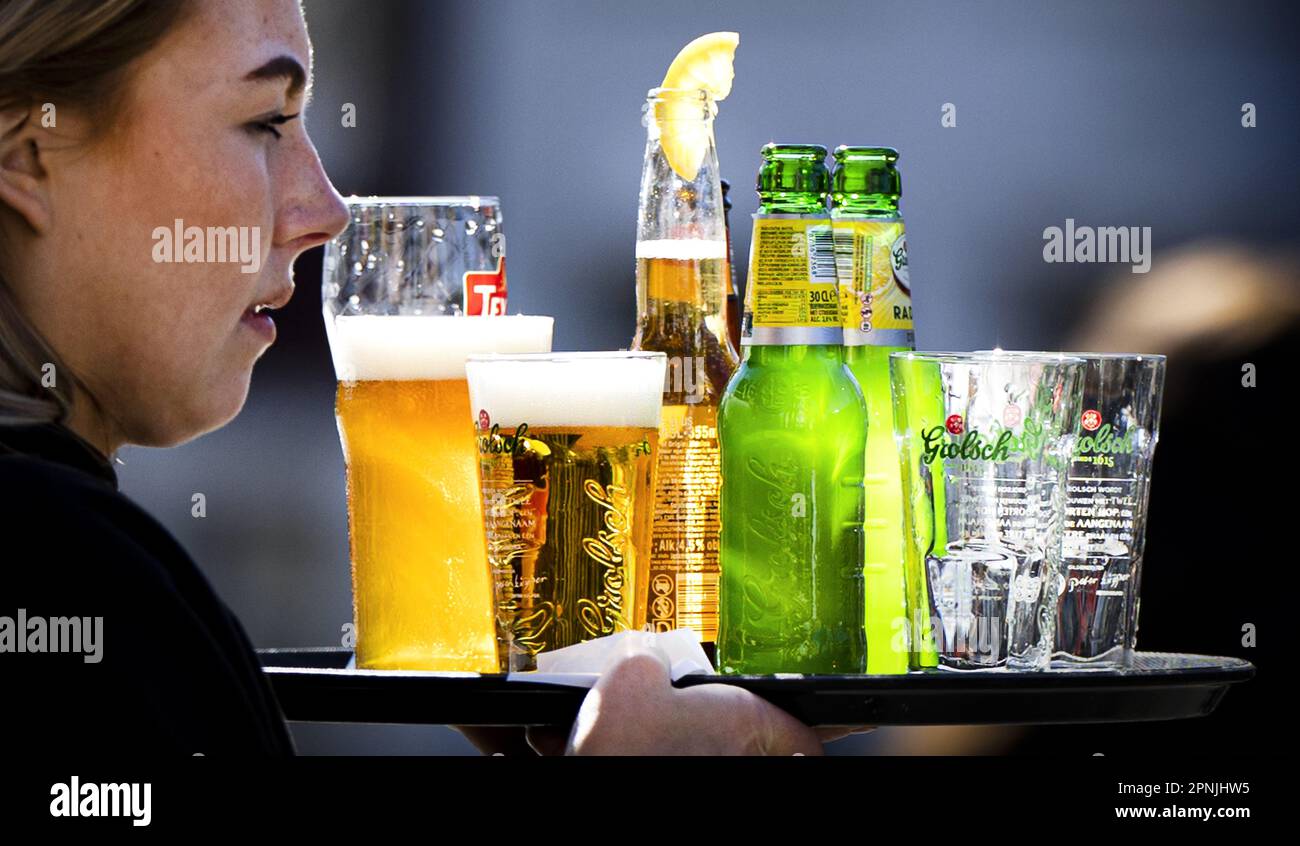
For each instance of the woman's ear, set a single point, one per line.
(23, 184)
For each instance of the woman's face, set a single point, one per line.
(164, 334)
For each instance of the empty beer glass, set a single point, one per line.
(1106, 508)
(985, 442)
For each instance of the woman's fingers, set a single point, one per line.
(635, 710)
(628, 711)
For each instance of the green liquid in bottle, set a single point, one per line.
(792, 430)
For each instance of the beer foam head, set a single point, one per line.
(434, 347)
(569, 389)
(681, 250)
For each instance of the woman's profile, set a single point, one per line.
(122, 121)
(118, 118)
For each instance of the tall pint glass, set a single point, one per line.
(985, 444)
(1106, 501)
(422, 588)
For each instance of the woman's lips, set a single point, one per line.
(258, 316)
(260, 322)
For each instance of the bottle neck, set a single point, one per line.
(791, 203)
(864, 206)
(675, 209)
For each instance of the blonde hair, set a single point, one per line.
(73, 53)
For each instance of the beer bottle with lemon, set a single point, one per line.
(681, 284)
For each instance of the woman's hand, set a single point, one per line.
(635, 710)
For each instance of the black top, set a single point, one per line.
(176, 674)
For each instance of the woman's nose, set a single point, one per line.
(334, 216)
(312, 212)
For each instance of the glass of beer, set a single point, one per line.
(422, 587)
(567, 445)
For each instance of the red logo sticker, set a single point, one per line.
(954, 424)
(485, 291)
(1092, 420)
(484, 422)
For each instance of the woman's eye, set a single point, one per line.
(270, 124)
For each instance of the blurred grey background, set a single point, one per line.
(1114, 114)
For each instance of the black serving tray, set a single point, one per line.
(315, 685)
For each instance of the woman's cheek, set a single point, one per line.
(189, 318)
(221, 179)
(241, 175)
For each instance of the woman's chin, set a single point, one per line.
(219, 414)
(206, 413)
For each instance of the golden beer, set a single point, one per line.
(422, 587)
(567, 448)
(681, 298)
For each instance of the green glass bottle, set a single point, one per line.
(792, 431)
(876, 306)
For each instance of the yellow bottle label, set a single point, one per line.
(875, 288)
(792, 279)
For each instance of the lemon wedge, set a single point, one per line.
(706, 63)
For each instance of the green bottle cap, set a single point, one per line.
(794, 174)
(864, 175)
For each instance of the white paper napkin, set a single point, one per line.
(581, 665)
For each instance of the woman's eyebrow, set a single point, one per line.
(281, 67)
